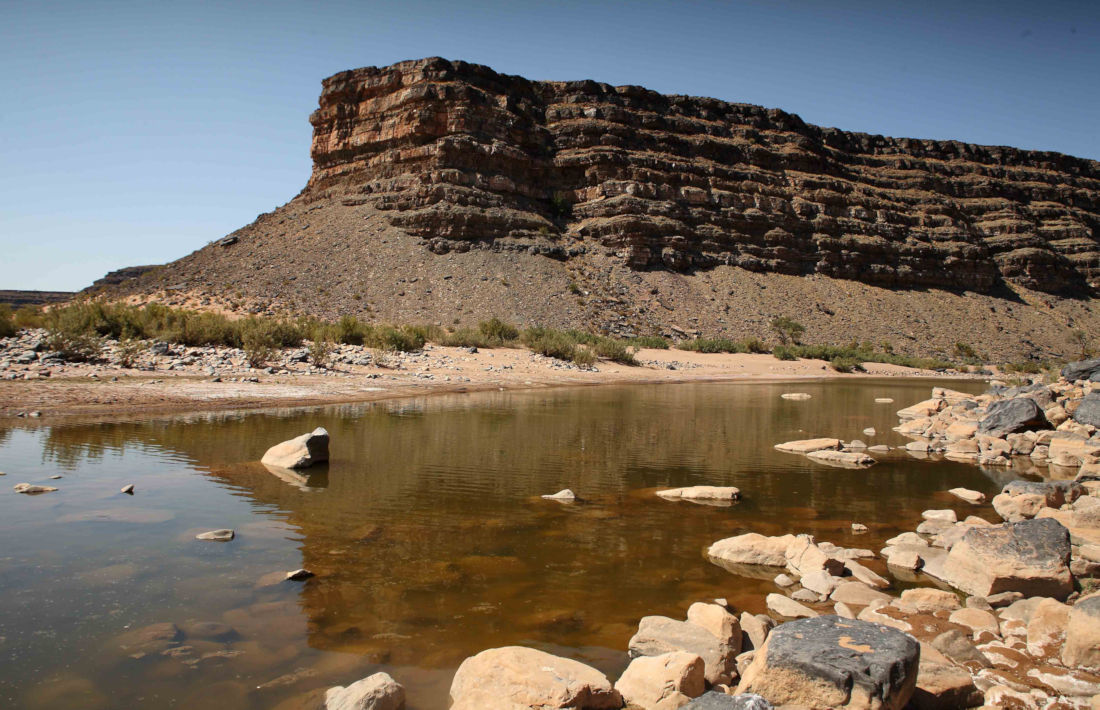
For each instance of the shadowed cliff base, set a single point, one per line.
(445, 192)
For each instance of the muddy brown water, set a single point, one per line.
(426, 533)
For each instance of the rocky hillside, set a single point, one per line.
(445, 191)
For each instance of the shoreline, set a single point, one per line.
(86, 391)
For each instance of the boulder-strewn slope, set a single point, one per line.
(501, 195)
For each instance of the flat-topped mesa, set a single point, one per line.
(466, 157)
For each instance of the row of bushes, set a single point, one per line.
(75, 326)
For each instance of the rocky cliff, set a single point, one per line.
(469, 158)
(446, 192)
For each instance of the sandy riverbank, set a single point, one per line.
(84, 389)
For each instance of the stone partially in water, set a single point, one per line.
(830, 662)
(517, 677)
(806, 446)
(1030, 557)
(300, 452)
(972, 497)
(563, 495)
(298, 575)
(223, 535)
(29, 489)
(705, 493)
(375, 692)
(795, 395)
(753, 549)
(664, 682)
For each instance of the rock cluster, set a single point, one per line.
(1049, 426)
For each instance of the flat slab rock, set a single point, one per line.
(830, 662)
(1030, 557)
(719, 493)
(514, 677)
(844, 459)
(805, 446)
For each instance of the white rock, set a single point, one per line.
(375, 692)
(795, 395)
(946, 515)
(223, 535)
(721, 493)
(299, 452)
(973, 497)
(563, 494)
(30, 489)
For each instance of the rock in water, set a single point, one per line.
(375, 692)
(298, 575)
(1030, 557)
(128, 489)
(1011, 415)
(663, 682)
(223, 535)
(564, 494)
(29, 489)
(753, 549)
(719, 493)
(830, 662)
(300, 452)
(517, 677)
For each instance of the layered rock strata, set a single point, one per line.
(468, 158)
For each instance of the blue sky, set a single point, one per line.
(135, 132)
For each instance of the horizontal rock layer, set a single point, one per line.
(468, 158)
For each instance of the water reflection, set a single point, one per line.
(426, 531)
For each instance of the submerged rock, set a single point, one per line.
(29, 489)
(830, 662)
(223, 535)
(517, 677)
(300, 452)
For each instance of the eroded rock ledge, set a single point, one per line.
(469, 158)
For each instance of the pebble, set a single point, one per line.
(298, 575)
(128, 489)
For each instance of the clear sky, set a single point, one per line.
(135, 132)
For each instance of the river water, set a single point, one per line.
(426, 533)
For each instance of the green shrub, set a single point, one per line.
(350, 331)
(320, 352)
(583, 357)
(1027, 367)
(784, 352)
(466, 338)
(788, 330)
(7, 322)
(615, 350)
(550, 342)
(29, 317)
(710, 345)
(388, 337)
(75, 347)
(498, 331)
(754, 345)
(845, 364)
(649, 341)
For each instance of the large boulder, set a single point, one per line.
(1011, 415)
(1081, 370)
(830, 662)
(518, 678)
(1088, 411)
(1020, 500)
(1082, 646)
(753, 549)
(375, 692)
(1029, 557)
(300, 452)
(664, 682)
(658, 635)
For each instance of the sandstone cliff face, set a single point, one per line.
(466, 158)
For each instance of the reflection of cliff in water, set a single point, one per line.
(430, 543)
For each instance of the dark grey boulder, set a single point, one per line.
(1081, 370)
(715, 700)
(1012, 415)
(1029, 557)
(1056, 493)
(1088, 411)
(830, 662)
(1038, 392)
